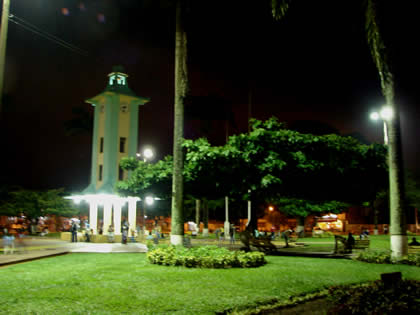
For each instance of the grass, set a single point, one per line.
(126, 283)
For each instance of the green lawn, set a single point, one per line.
(127, 283)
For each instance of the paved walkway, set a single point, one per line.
(36, 248)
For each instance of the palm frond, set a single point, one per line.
(279, 8)
(378, 50)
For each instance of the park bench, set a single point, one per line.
(361, 244)
(414, 249)
(263, 244)
(347, 248)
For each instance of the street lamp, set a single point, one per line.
(385, 114)
(147, 154)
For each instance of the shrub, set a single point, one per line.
(376, 298)
(204, 257)
(384, 257)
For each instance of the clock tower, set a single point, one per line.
(115, 130)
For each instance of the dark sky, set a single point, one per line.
(313, 65)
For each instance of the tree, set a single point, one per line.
(398, 230)
(181, 88)
(275, 163)
(34, 204)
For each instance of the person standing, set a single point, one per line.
(111, 234)
(8, 242)
(124, 233)
(232, 234)
(73, 230)
(286, 235)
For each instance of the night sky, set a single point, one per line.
(313, 65)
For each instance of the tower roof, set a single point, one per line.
(117, 83)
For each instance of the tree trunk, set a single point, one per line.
(398, 229)
(206, 218)
(197, 212)
(375, 218)
(253, 222)
(181, 84)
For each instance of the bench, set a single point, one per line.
(361, 244)
(347, 248)
(263, 244)
(187, 242)
(413, 249)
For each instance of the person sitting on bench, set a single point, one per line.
(414, 242)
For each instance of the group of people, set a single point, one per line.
(124, 233)
(9, 240)
(220, 233)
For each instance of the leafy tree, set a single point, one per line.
(275, 163)
(279, 162)
(38, 203)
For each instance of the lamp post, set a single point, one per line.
(146, 155)
(3, 42)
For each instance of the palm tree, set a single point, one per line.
(181, 88)
(395, 162)
(378, 50)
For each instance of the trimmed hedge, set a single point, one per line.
(384, 257)
(376, 298)
(204, 257)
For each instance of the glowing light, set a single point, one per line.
(374, 116)
(65, 11)
(387, 113)
(148, 153)
(271, 208)
(102, 199)
(149, 200)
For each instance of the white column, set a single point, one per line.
(227, 225)
(132, 203)
(93, 216)
(107, 216)
(117, 217)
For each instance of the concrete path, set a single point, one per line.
(36, 248)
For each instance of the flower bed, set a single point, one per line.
(204, 257)
(384, 257)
